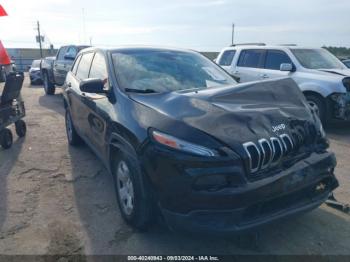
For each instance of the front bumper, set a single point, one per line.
(244, 205)
(35, 76)
(340, 105)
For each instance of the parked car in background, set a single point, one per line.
(346, 62)
(323, 79)
(35, 73)
(180, 135)
(54, 71)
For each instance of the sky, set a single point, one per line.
(203, 25)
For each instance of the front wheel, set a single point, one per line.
(317, 104)
(133, 192)
(48, 86)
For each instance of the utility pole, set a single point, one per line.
(39, 39)
(233, 34)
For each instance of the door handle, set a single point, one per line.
(264, 76)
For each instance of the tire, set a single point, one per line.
(133, 192)
(319, 106)
(21, 128)
(49, 87)
(6, 138)
(72, 135)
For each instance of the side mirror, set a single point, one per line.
(69, 57)
(286, 67)
(92, 85)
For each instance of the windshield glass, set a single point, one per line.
(164, 71)
(36, 63)
(317, 59)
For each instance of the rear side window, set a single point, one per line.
(274, 59)
(75, 66)
(84, 66)
(227, 57)
(251, 58)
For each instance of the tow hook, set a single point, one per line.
(333, 202)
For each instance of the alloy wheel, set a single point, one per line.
(125, 188)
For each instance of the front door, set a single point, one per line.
(59, 70)
(97, 106)
(79, 110)
(249, 65)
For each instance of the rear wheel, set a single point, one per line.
(133, 192)
(317, 104)
(48, 86)
(72, 135)
(6, 138)
(21, 128)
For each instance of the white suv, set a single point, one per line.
(324, 80)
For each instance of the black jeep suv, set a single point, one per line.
(179, 135)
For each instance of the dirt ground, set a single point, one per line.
(55, 199)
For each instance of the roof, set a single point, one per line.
(136, 47)
(269, 47)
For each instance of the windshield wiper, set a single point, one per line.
(146, 91)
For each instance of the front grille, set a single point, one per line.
(267, 152)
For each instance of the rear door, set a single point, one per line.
(59, 71)
(272, 64)
(249, 65)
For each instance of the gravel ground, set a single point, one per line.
(55, 199)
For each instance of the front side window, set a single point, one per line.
(84, 66)
(72, 51)
(165, 71)
(99, 68)
(76, 64)
(250, 58)
(227, 57)
(317, 59)
(61, 53)
(274, 59)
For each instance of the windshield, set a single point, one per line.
(164, 71)
(36, 63)
(317, 59)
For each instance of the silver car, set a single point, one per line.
(324, 80)
(34, 72)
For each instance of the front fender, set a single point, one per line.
(324, 89)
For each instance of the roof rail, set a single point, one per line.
(258, 44)
(288, 45)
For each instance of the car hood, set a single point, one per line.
(234, 115)
(340, 72)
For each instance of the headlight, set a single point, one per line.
(182, 145)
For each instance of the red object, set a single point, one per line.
(4, 57)
(2, 11)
